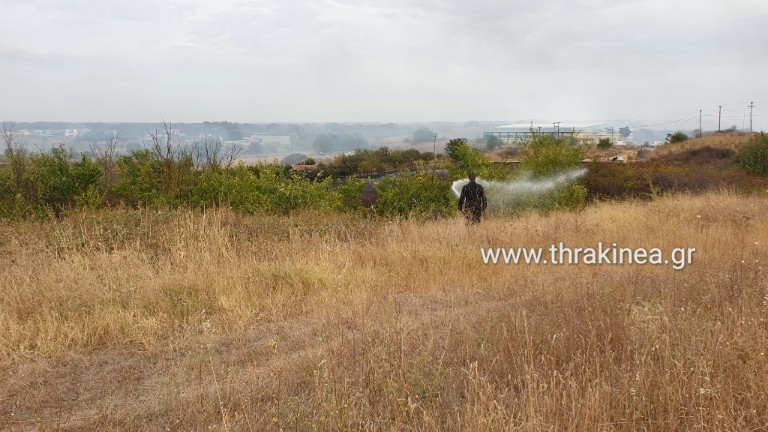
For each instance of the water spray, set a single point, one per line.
(502, 194)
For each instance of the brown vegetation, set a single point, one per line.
(733, 141)
(139, 320)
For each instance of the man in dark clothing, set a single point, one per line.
(472, 201)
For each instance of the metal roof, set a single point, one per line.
(562, 126)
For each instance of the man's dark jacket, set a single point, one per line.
(472, 197)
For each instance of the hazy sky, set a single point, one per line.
(381, 60)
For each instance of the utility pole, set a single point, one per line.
(556, 129)
(719, 114)
(751, 106)
(701, 133)
(612, 135)
(434, 148)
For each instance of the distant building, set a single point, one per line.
(520, 132)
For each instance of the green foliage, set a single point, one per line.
(677, 137)
(273, 190)
(754, 156)
(150, 180)
(604, 143)
(464, 158)
(48, 182)
(421, 195)
(368, 162)
(569, 196)
(350, 193)
(544, 155)
(139, 177)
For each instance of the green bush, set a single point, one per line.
(677, 137)
(424, 195)
(544, 155)
(139, 178)
(273, 190)
(150, 180)
(50, 182)
(367, 162)
(604, 143)
(501, 201)
(754, 156)
(465, 159)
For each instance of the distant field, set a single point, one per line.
(144, 320)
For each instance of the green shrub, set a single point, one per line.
(421, 195)
(139, 178)
(350, 194)
(544, 155)
(273, 190)
(45, 182)
(677, 137)
(464, 158)
(604, 143)
(754, 156)
(570, 196)
(154, 181)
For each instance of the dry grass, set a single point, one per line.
(727, 140)
(183, 321)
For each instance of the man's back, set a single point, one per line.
(472, 197)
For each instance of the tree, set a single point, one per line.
(106, 158)
(464, 157)
(15, 154)
(175, 162)
(604, 143)
(545, 155)
(423, 135)
(214, 155)
(676, 137)
(624, 132)
(452, 147)
(492, 143)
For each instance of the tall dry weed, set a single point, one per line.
(137, 320)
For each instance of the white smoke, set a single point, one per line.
(501, 193)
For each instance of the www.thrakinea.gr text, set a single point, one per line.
(601, 254)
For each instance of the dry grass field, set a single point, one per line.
(139, 320)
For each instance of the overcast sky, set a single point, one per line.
(381, 60)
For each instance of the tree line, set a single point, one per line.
(172, 175)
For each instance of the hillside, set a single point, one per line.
(728, 140)
(732, 141)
